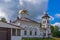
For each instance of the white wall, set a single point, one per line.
(30, 26)
(39, 34)
(16, 38)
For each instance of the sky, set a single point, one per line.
(10, 8)
(54, 11)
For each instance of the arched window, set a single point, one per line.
(30, 32)
(35, 33)
(25, 32)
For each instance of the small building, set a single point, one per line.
(9, 31)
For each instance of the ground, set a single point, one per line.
(41, 39)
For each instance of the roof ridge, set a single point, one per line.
(12, 24)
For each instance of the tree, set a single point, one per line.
(58, 33)
(52, 28)
(3, 20)
(55, 31)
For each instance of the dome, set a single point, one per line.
(23, 11)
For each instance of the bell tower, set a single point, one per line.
(46, 25)
(45, 20)
(23, 13)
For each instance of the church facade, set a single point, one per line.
(23, 27)
(32, 28)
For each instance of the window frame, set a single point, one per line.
(30, 32)
(18, 32)
(35, 32)
(44, 22)
(13, 32)
(25, 32)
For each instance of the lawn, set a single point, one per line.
(40, 38)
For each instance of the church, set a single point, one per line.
(23, 27)
(32, 28)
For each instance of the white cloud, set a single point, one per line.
(7, 10)
(20, 2)
(51, 18)
(2, 13)
(39, 17)
(36, 1)
(35, 7)
(33, 1)
(57, 15)
(7, 0)
(10, 7)
(57, 24)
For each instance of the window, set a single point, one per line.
(35, 33)
(47, 21)
(44, 34)
(30, 32)
(40, 25)
(44, 22)
(18, 32)
(13, 32)
(25, 32)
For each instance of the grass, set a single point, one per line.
(40, 38)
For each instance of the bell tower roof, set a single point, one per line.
(45, 15)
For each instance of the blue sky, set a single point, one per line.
(54, 10)
(10, 8)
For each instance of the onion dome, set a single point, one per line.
(23, 11)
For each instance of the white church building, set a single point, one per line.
(23, 27)
(32, 28)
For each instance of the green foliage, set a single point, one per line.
(52, 29)
(40, 38)
(3, 20)
(55, 31)
(58, 34)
